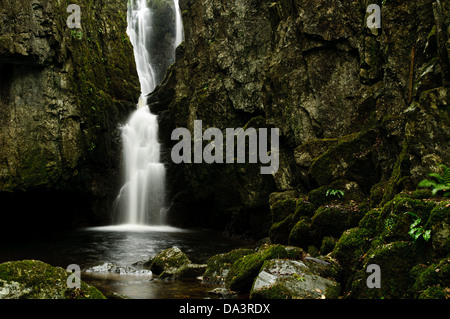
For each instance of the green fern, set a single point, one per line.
(441, 183)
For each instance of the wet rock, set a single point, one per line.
(120, 270)
(243, 272)
(33, 279)
(286, 279)
(218, 266)
(169, 260)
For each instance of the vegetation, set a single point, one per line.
(441, 182)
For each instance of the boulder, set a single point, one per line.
(244, 271)
(33, 279)
(219, 265)
(169, 261)
(288, 279)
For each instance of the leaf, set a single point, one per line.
(427, 235)
(427, 183)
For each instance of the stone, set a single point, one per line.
(286, 279)
(33, 279)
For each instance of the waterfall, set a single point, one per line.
(141, 200)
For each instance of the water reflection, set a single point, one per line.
(123, 246)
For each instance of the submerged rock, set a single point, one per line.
(32, 279)
(287, 279)
(120, 270)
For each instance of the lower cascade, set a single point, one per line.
(141, 200)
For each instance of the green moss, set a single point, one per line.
(350, 150)
(432, 281)
(395, 181)
(300, 234)
(279, 232)
(244, 270)
(396, 261)
(275, 291)
(328, 244)
(216, 265)
(394, 221)
(421, 194)
(282, 209)
(42, 281)
(351, 246)
(304, 208)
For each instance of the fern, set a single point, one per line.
(442, 182)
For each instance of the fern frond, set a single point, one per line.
(438, 188)
(427, 183)
(445, 174)
(438, 177)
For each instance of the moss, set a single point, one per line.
(245, 269)
(394, 221)
(300, 234)
(168, 260)
(304, 208)
(313, 251)
(435, 292)
(219, 264)
(421, 194)
(279, 232)
(394, 184)
(395, 261)
(42, 281)
(351, 246)
(282, 209)
(328, 244)
(333, 221)
(275, 291)
(429, 280)
(347, 154)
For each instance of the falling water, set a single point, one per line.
(141, 200)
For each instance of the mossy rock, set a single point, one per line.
(300, 234)
(279, 232)
(282, 209)
(219, 265)
(328, 244)
(168, 260)
(333, 221)
(433, 281)
(395, 218)
(33, 279)
(304, 208)
(439, 223)
(244, 271)
(395, 261)
(288, 279)
(421, 194)
(349, 159)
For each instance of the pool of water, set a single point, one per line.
(125, 245)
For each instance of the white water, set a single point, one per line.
(142, 198)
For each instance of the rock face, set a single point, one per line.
(32, 279)
(63, 94)
(366, 107)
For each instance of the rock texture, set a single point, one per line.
(367, 107)
(33, 279)
(63, 94)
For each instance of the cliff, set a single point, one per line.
(362, 109)
(63, 94)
